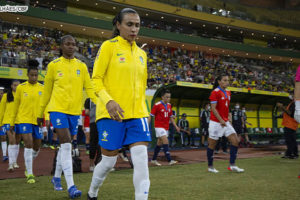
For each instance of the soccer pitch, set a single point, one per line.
(265, 178)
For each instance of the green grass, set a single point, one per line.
(269, 178)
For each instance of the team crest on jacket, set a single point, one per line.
(105, 134)
(122, 60)
(59, 73)
(78, 72)
(40, 93)
(142, 60)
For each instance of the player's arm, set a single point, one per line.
(2, 108)
(216, 113)
(174, 124)
(100, 68)
(15, 108)
(88, 86)
(280, 105)
(48, 87)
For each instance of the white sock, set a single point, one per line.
(4, 148)
(35, 153)
(141, 180)
(28, 160)
(16, 152)
(58, 168)
(100, 172)
(66, 163)
(10, 154)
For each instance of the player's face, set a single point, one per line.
(166, 98)
(33, 76)
(224, 82)
(69, 47)
(129, 27)
(14, 85)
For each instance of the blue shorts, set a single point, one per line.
(62, 120)
(6, 128)
(114, 135)
(2, 131)
(30, 128)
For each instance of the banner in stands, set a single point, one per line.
(18, 73)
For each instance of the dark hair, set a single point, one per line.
(119, 18)
(10, 96)
(216, 84)
(63, 38)
(32, 65)
(165, 91)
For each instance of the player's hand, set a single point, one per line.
(297, 111)
(222, 123)
(40, 121)
(115, 111)
(177, 129)
(189, 132)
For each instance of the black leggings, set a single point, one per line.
(95, 150)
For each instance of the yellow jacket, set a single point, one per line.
(6, 109)
(26, 103)
(120, 74)
(64, 84)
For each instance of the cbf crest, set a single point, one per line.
(142, 60)
(78, 72)
(104, 134)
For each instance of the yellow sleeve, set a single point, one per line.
(16, 105)
(100, 67)
(48, 86)
(88, 86)
(2, 107)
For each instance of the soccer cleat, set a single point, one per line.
(10, 168)
(91, 198)
(30, 179)
(155, 162)
(212, 170)
(52, 147)
(299, 176)
(16, 166)
(5, 158)
(123, 157)
(74, 192)
(235, 169)
(173, 162)
(57, 184)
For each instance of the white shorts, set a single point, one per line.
(87, 129)
(216, 131)
(159, 132)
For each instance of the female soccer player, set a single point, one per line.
(24, 114)
(120, 78)
(63, 92)
(219, 124)
(6, 107)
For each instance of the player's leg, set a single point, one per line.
(87, 139)
(3, 145)
(93, 144)
(234, 143)
(215, 132)
(26, 133)
(165, 146)
(159, 143)
(65, 127)
(11, 148)
(137, 137)
(37, 136)
(111, 136)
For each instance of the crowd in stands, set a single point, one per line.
(165, 65)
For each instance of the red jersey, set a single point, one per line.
(162, 113)
(222, 99)
(86, 122)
